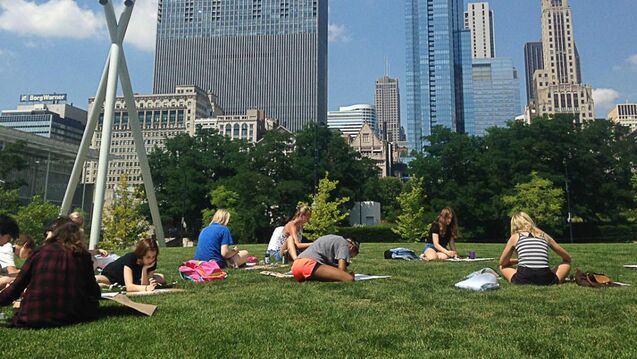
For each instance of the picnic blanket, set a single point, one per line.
(466, 259)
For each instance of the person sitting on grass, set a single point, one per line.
(326, 260)
(24, 246)
(8, 230)
(77, 218)
(532, 247)
(135, 270)
(215, 241)
(59, 283)
(292, 236)
(443, 234)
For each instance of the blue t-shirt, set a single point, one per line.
(210, 241)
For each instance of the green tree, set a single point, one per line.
(9, 201)
(124, 224)
(411, 222)
(540, 199)
(34, 217)
(11, 159)
(325, 213)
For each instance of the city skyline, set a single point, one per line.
(34, 57)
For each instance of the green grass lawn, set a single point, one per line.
(416, 313)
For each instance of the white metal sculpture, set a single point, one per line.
(114, 69)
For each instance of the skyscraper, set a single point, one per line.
(265, 54)
(439, 90)
(497, 93)
(479, 20)
(533, 60)
(350, 119)
(387, 100)
(558, 87)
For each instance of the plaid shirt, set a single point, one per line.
(60, 289)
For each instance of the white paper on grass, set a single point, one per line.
(359, 276)
(630, 266)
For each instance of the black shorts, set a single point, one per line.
(538, 276)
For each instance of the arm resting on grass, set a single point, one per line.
(132, 287)
(15, 289)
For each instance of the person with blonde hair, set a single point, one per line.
(443, 233)
(532, 247)
(291, 238)
(215, 241)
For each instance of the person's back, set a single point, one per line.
(533, 252)
(61, 289)
(209, 244)
(328, 250)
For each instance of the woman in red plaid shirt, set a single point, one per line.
(59, 282)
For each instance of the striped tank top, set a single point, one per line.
(532, 252)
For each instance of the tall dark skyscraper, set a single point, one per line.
(264, 54)
(533, 60)
(387, 100)
(439, 81)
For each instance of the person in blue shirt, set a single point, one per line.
(215, 241)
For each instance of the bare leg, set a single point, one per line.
(562, 271)
(430, 255)
(442, 256)
(102, 280)
(508, 272)
(239, 259)
(5, 281)
(326, 273)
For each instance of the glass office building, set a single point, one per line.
(55, 121)
(253, 54)
(497, 93)
(439, 90)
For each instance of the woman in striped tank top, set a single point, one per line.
(532, 247)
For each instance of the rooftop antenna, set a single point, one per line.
(114, 69)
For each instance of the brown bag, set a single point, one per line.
(594, 280)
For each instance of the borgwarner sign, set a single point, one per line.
(43, 97)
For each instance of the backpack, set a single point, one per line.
(201, 271)
(400, 253)
(594, 280)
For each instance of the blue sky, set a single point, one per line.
(60, 46)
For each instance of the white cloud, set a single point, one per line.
(336, 33)
(66, 19)
(142, 28)
(54, 18)
(605, 99)
(632, 60)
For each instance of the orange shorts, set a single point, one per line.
(303, 268)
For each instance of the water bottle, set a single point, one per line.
(266, 258)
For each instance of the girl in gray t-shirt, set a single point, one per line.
(326, 260)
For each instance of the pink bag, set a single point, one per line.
(201, 271)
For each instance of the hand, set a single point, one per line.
(148, 266)
(452, 253)
(151, 286)
(102, 252)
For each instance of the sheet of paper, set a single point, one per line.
(630, 266)
(359, 276)
(147, 309)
